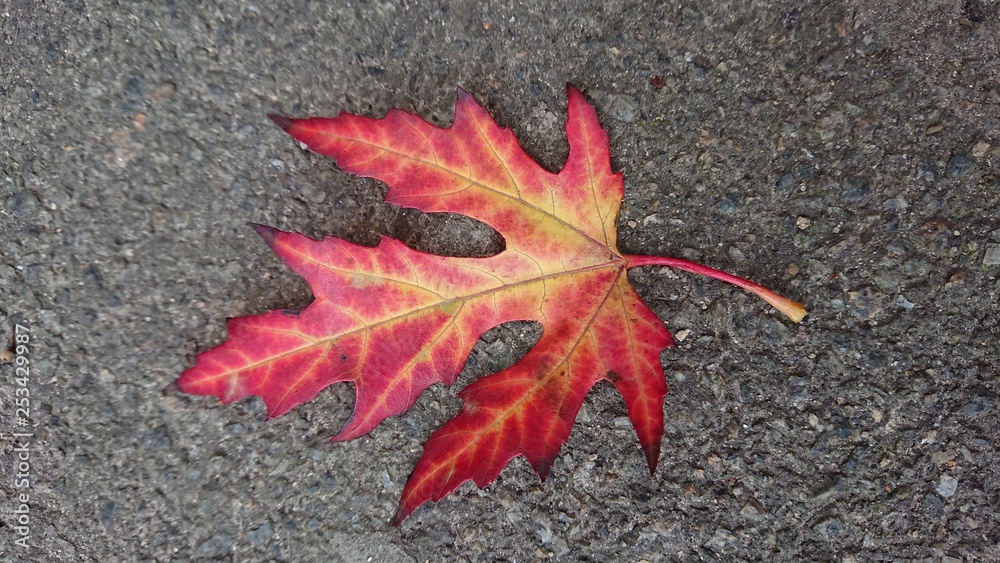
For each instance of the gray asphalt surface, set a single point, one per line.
(844, 153)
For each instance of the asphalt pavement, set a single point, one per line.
(844, 153)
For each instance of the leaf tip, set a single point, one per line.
(543, 465)
(343, 436)
(463, 99)
(281, 121)
(182, 384)
(652, 453)
(269, 234)
(401, 514)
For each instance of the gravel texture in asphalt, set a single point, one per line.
(844, 153)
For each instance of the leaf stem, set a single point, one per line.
(792, 309)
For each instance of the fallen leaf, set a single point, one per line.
(393, 321)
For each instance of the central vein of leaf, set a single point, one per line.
(445, 302)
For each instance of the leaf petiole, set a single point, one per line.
(792, 309)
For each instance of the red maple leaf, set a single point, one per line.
(393, 320)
